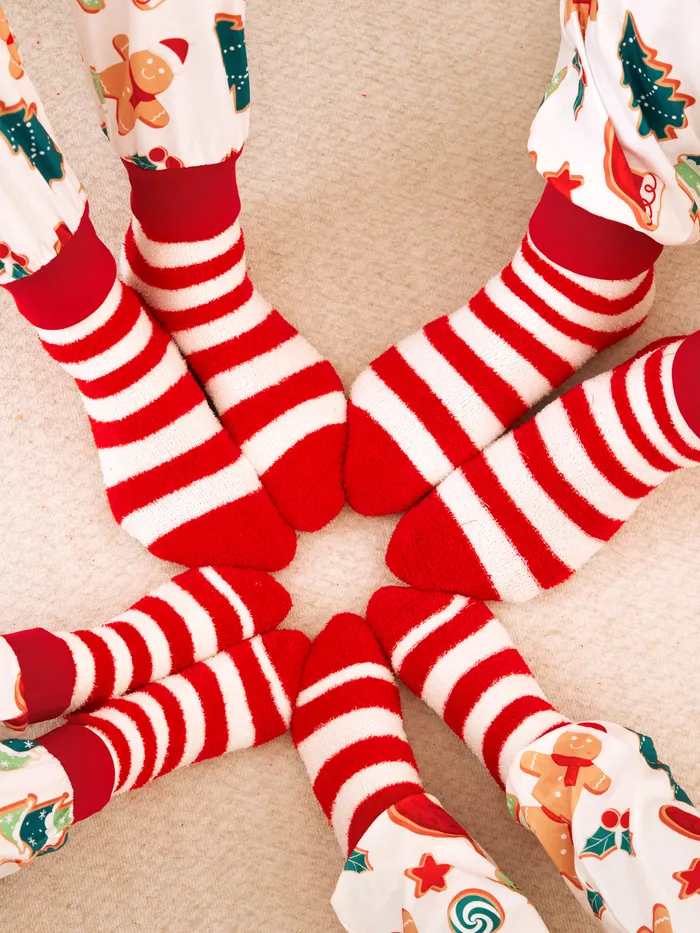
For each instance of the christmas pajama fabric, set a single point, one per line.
(618, 130)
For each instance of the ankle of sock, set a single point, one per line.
(47, 674)
(586, 244)
(70, 287)
(686, 381)
(456, 656)
(185, 204)
(89, 765)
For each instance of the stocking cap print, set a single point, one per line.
(173, 52)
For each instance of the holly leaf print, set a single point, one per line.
(596, 902)
(600, 844)
(358, 862)
(626, 842)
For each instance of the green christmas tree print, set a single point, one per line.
(662, 108)
(231, 36)
(555, 83)
(15, 753)
(581, 91)
(25, 135)
(688, 171)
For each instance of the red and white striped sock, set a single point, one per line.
(240, 698)
(175, 479)
(446, 392)
(192, 617)
(348, 729)
(456, 656)
(527, 513)
(280, 401)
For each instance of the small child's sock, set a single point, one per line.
(456, 656)
(175, 479)
(280, 401)
(348, 729)
(528, 512)
(189, 619)
(577, 285)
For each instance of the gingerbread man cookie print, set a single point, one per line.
(7, 36)
(137, 80)
(562, 777)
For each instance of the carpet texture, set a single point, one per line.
(386, 176)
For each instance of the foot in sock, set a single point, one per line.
(606, 811)
(240, 698)
(401, 844)
(189, 619)
(446, 392)
(175, 479)
(529, 511)
(280, 401)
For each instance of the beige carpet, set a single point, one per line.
(386, 175)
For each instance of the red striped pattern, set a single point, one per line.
(277, 398)
(523, 516)
(456, 656)
(240, 698)
(349, 732)
(446, 392)
(192, 617)
(172, 472)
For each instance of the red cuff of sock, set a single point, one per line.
(686, 381)
(69, 288)
(48, 672)
(589, 245)
(88, 763)
(180, 205)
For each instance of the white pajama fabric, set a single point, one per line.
(619, 128)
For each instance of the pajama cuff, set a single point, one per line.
(13, 709)
(618, 827)
(36, 803)
(46, 673)
(417, 870)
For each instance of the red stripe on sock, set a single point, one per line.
(505, 724)
(554, 369)
(114, 736)
(267, 722)
(602, 458)
(250, 416)
(121, 323)
(267, 335)
(105, 672)
(206, 685)
(125, 376)
(420, 661)
(402, 379)
(175, 402)
(474, 683)
(225, 619)
(206, 460)
(177, 321)
(141, 660)
(500, 397)
(538, 461)
(184, 276)
(544, 565)
(659, 405)
(633, 429)
(177, 729)
(144, 726)
(344, 699)
(173, 627)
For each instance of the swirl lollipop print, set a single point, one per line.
(475, 911)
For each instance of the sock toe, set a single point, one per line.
(379, 477)
(392, 610)
(266, 599)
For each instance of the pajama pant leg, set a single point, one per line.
(171, 77)
(41, 200)
(618, 130)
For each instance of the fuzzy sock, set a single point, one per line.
(240, 698)
(577, 284)
(175, 479)
(192, 617)
(686, 381)
(280, 401)
(456, 656)
(348, 729)
(527, 513)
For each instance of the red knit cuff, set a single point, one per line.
(88, 763)
(48, 672)
(589, 245)
(181, 205)
(69, 288)
(686, 381)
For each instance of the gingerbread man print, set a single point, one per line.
(7, 36)
(562, 777)
(136, 81)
